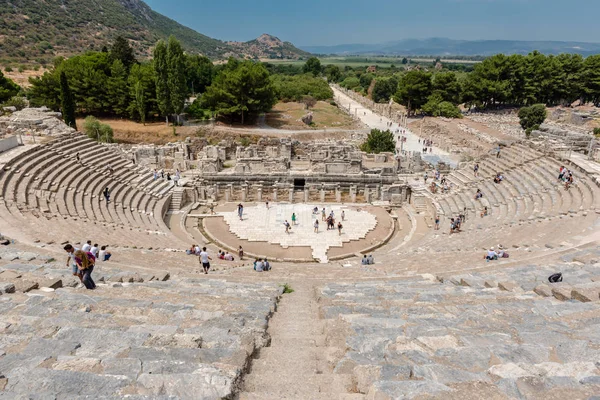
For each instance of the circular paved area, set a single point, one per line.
(260, 224)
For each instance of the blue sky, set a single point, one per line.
(328, 22)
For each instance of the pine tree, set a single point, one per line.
(122, 51)
(66, 101)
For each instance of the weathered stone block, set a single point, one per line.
(543, 290)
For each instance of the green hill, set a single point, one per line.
(39, 30)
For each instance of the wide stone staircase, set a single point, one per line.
(49, 191)
(183, 338)
(485, 337)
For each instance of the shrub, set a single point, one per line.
(287, 289)
(532, 117)
(597, 132)
(8, 68)
(96, 130)
(379, 141)
(18, 102)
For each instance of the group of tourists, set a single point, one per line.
(456, 223)
(440, 182)
(367, 260)
(566, 176)
(161, 174)
(494, 255)
(329, 219)
(82, 261)
(262, 265)
(427, 144)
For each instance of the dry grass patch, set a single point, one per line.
(287, 116)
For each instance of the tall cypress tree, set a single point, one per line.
(67, 103)
(176, 75)
(163, 95)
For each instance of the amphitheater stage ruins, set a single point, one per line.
(429, 318)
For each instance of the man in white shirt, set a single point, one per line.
(86, 247)
(197, 250)
(491, 254)
(94, 250)
(370, 259)
(259, 265)
(228, 257)
(204, 260)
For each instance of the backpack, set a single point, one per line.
(555, 278)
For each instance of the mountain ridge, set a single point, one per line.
(452, 47)
(30, 32)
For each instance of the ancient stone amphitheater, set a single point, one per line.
(430, 319)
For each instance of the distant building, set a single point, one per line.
(372, 68)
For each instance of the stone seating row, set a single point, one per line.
(529, 191)
(187, 339)
(414, 337)
(54, 187)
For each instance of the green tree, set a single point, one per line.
(96, 130)
(591, 80)
(122, 51)
(333, 73)
(313, 66)
(293, 88)
(404, 61)
(436, 106)
(176, 75)
(379, 141)
(67, 103)
(532, 117)
(384, 89)
(118, 91)
(365, 80)
(161, 73)
(199, 73)
(350, 82)
(413, 89)
(245, 90)
(8, 88)
(447, 86)
(141, 90)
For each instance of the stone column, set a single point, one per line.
(322, 193)
(230, 191)
(291, 194)
(353, 194)
(202, 192)
(367, 194)
(216, 195)
(244, 192)
(274, 193)
(382, 193)
(259, 194)
(403, 194)
(227, 195)
(338, 194)
(306, 194)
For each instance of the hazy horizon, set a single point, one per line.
(357, 22)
